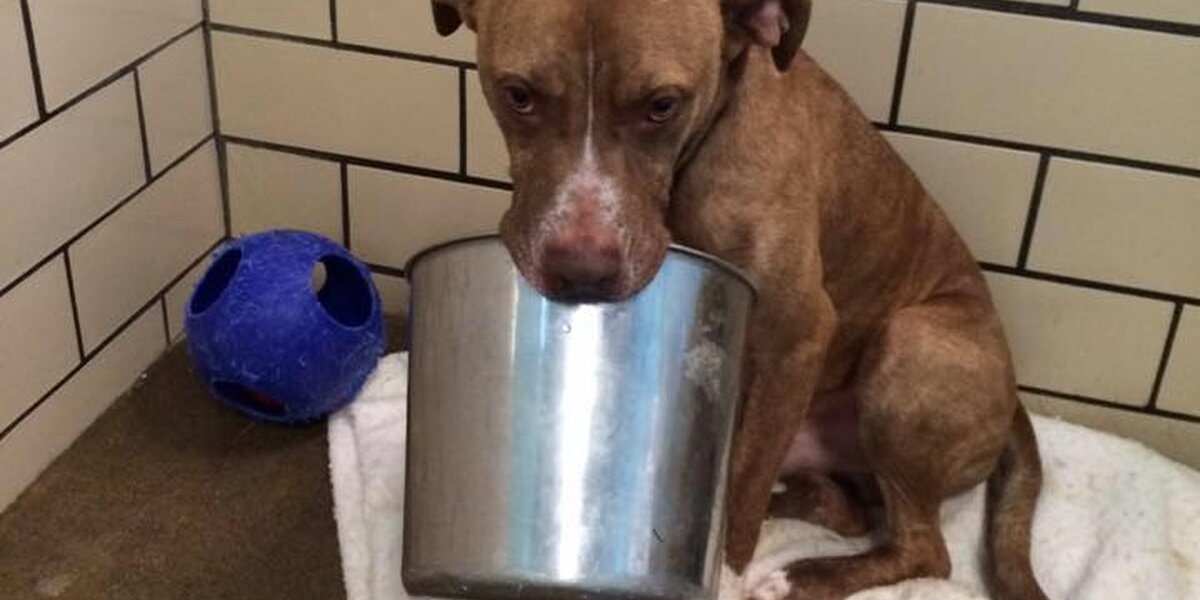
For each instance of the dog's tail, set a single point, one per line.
(1012, 492)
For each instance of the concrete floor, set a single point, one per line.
(171, 496)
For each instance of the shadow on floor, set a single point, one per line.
(171, 496)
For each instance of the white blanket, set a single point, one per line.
(1115, 521)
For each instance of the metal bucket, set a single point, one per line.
(568, 450)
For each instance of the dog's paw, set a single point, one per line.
(775, 587)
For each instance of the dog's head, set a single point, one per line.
(597, 100)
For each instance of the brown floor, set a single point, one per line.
(171, 496)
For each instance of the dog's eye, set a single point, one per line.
(663, 109)
(519, 97)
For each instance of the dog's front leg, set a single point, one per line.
(787, 344)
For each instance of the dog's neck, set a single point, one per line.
(731, 73)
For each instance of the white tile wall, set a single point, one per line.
(1119, 225)
(179, 294)
(18, 105)
(80, 42)
(175, 100)
(274, 190)
(393, 215)
(37, 339)
(404, 26)
(1179, 11)
(131, 256)
(858, 41)
(986, 191)
(1181, 382)
(30, 448)
(337, 101)
(1080, 341)
(308, 18)
(1100, 89)
(65, 174)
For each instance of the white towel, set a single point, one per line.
(1115, 521)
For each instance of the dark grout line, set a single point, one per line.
(910, 16)
(156, 298)
(222, 154)
(333, 21)
(372, 163)
(1091, 285)
(1035, 204)
(35, 66)
(1143, 410)
(386, 270)
(359, 48)
(1052, 151)
(66, 254)
(343, 173)
(166, 322)
(462, 121)
(84, 95)
(1072, 13)
(141, 113)
(108, 213)
(1165, 359)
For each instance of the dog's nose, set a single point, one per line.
(583, 264)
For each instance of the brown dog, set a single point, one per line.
(875, 354)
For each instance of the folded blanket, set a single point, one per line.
(1115, 521)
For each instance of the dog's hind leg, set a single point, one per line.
(936, 400)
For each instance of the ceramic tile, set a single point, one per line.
(307, 18)
(1107, 90)
(1080, 341)
(37, 339)
(132, 255)
(18, 105)
(276, 190)
(62, 176)
(175, 99)
(339, 101)
(858, 42)
(80, 42)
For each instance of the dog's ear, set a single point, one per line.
(777, 24)
(449, 15)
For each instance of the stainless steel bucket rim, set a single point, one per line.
(716, 261)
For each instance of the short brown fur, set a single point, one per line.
(870, 303)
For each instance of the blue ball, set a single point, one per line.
(268, 338)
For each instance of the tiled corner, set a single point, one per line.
(37, 339)
(1179, 11)
(1181, 383)
(41, 437)
(1119, 225)
(62, 176)
(402, 26)
(276, 190)
(394, 215)
(984, 190)
(345, 102)
(179, 294)
(1080, 341)
(867, 66)
(1174, 438)
(393, 293)
(18, 105)
(79, 43)
(487, 155)
(306, 18)
(1101, 89)
(175, 100)
(129, 257)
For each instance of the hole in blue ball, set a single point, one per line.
(254, 400)
(344, 293)
(210, 288)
